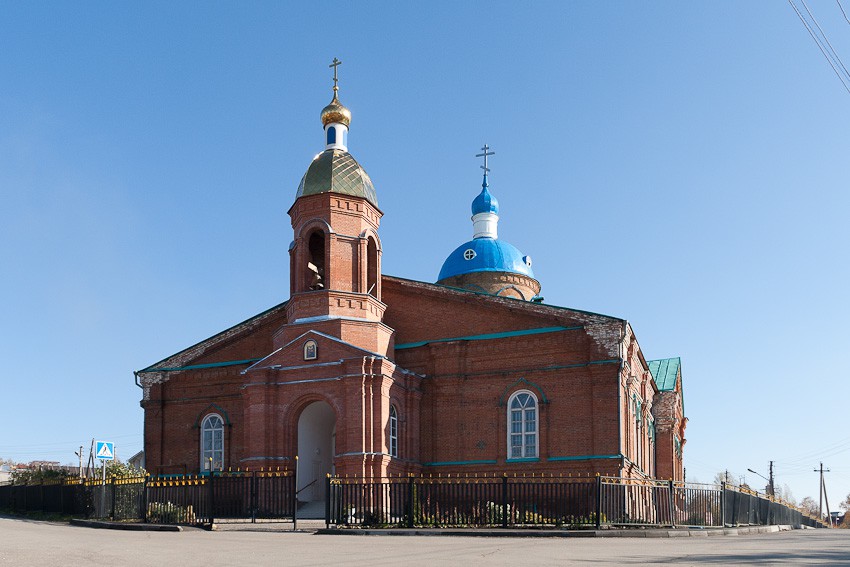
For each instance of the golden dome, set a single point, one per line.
(336, 112)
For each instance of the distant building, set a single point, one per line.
(137, 460)
(366, 374)
(44, 464)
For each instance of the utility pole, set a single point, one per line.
(80, 455)
(770, 482)
(826, 497)
(90, 466)
(821, 470)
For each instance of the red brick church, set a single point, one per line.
(367, 374)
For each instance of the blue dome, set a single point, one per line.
(485, 202)
(485, 255)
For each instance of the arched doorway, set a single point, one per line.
(316, 447)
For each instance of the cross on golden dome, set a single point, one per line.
(336, 111)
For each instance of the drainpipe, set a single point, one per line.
(144, 444)
(620, 398)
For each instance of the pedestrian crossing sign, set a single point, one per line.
(105, 450)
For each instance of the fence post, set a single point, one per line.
(598, 501)
(112, 482)
(144, 499)
(212, 498)
(253, 497)
(295, 498)
(504, 500)
(723, 504)
(411, 495)
(672, 490)
(327, 501)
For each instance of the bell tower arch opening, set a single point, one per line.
(316, 274)
(372, 269)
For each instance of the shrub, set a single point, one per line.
(170, 513)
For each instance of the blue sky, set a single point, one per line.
(680, 165)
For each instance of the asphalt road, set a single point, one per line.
(44, 544)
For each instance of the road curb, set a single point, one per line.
(138, 527)
(630, 533)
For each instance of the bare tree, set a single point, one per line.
(809, 506)
(784, 492)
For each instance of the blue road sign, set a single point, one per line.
(105, 450)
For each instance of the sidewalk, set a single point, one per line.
(626, 532)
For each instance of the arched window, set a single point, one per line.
(522, 425)
(638, 432)
(393, 432)
(331, 135)
(212, 443)
(651, 429)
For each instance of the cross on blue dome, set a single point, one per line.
(485, 252)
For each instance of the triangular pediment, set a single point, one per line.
(311, 348)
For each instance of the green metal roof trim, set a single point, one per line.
(336, 171)
(455, 463)
(489, 336)
(664, 372)
(202, 366)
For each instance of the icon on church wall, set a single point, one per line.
(310, 350)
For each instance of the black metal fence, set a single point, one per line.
(412, 501)
(743, 507)
(172, 499)
(481, 501)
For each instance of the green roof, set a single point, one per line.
(488, 336)
(336, 171)
(664, 372)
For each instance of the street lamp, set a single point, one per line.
(769, 481)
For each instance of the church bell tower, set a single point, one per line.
(335, 255)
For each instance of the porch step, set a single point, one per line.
(311, 510)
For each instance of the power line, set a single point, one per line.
(837, 447)
(821, 47)
(826, 39)
(60, 444)
(842, 11)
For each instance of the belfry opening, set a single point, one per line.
(372, 268)
(316, 261)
